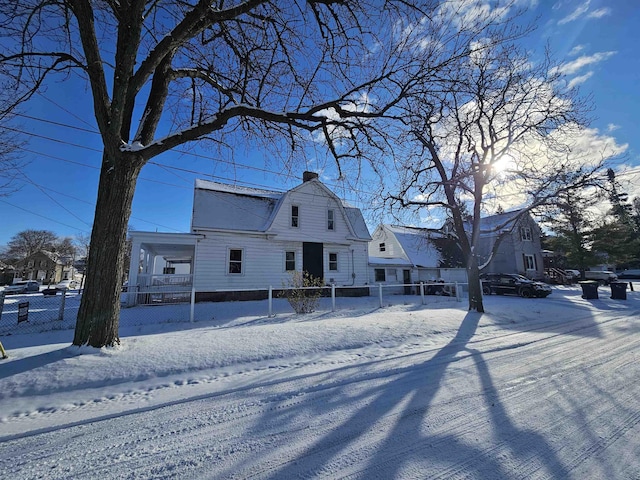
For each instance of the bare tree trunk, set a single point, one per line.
(99, 313)
(475, 286)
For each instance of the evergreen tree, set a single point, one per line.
(573, 227)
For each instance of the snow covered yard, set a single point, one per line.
(534, 388)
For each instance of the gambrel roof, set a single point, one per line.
(416, 244)
(219, 206)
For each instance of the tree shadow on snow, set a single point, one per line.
(409, 442)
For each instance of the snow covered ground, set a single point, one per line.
(534, 388)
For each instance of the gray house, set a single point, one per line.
(519, 250)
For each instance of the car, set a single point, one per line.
(572, 274)
(22, 286)
(514, 284)
(67, 285)
(604, 277)
(629, 275)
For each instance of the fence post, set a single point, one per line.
(192, 312)
(62, 299)
(380, 293)
(2, 302)
(270, 301)
(333, 297)
(422, 292)
(458, 298)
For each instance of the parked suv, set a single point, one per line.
(604, 277)
(22, 286)
(511, 283)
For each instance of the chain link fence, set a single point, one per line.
(37, 312)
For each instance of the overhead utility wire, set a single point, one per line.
(181, 151)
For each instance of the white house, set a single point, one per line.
(408, 255)
(245, 239)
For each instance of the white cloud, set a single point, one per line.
(574, 82)
(612, 127)
(576, 50)
(577, 13)
(572, 67)
(601, 12)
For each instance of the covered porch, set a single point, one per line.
(161, 267)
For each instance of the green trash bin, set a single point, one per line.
(618, 290)
(589, 289)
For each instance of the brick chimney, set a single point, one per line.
(306, 176)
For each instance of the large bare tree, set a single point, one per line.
(503, 128)
(162, 73)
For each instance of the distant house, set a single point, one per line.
(7, 273)
(45, 267)
(519, 251)
(246, 238)
(409, 255)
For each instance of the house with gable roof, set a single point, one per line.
(409, 255)
(519, 250)
(45, 266)
(246, 238)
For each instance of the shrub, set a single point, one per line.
(303, 292)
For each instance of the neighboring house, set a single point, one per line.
(7, 273)
(519, 251)
(245, 238)
(409, 255)
(45, 267)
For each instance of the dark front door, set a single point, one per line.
(312, 259)
(406, 279)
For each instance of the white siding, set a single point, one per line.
(263, 262)
(392, 246)
(313, 203)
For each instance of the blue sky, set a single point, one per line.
(596, 42)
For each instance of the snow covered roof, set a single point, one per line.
(236, 189)
(354, 215)
(494, 223)
(249, 209)
(235, 207)
(416, 244)
(388, 261)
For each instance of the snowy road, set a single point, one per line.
(552, 399)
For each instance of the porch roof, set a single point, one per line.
(169, 245)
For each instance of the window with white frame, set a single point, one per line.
(525, 234)
(295, 216)
(333, 262)
(290, 261)
(529, 262)
(235, 261)
(379, 275)
(331, 224)
(382, 247)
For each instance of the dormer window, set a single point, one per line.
(382, 247)
(331, 224)
(295, 218)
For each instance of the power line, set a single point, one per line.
(176, 150)
(42, 216)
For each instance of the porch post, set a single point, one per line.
(133, 272)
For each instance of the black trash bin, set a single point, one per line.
(589, 289)
(618, 290)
